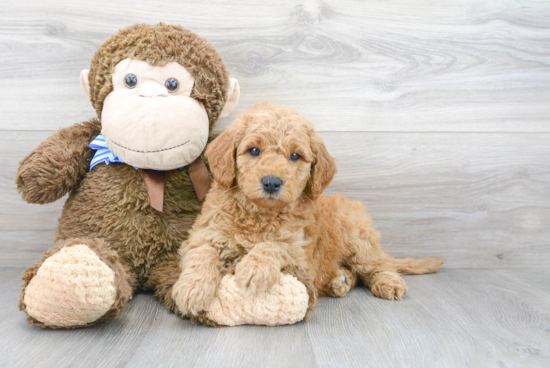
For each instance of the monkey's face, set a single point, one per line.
(149, 120)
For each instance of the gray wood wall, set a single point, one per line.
(437, 111)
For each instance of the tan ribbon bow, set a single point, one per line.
(155, 180)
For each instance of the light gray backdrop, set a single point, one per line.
(438, 115)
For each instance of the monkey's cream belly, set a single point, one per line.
(160, 133)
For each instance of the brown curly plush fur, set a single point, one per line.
(108, 208)
(326, 242)
(158, 45)
(57, 165)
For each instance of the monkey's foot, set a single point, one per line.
(285, 303)
(74, 287)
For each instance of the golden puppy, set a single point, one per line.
(266, 213)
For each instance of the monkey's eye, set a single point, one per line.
(294, 156)
(130, 80)
(172, 84)
(254, 151)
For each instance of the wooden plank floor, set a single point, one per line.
(455, 318)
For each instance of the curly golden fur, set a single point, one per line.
(326, 242)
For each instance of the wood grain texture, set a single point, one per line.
(455, 318)
(440, 88)
(438, 114)
(482, 200)
(353, 66)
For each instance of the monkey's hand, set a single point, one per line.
(56, 166)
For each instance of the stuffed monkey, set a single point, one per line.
(134, 174)
(135, 179)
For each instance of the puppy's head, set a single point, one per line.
(273, 155)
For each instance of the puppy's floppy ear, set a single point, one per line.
(323, 167)
(221, 156)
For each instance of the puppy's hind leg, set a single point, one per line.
(377, 270)
(388, 284)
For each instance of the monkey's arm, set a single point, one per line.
(55, 167)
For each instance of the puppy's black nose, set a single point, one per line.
(271, 184)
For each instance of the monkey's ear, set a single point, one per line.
(84, 82)
(323, 168)
(233, 95)
(221, 157)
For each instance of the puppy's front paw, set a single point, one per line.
(389, 286)
(256, 277)
(192, 295)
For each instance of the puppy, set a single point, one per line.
(266, 213)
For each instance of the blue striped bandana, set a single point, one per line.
(103, 153)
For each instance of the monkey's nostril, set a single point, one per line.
(271, 184)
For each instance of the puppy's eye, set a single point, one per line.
(172, 85)
(254, 151)
(130, 80)
(294, 156)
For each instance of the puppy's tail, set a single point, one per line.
(412, 266)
